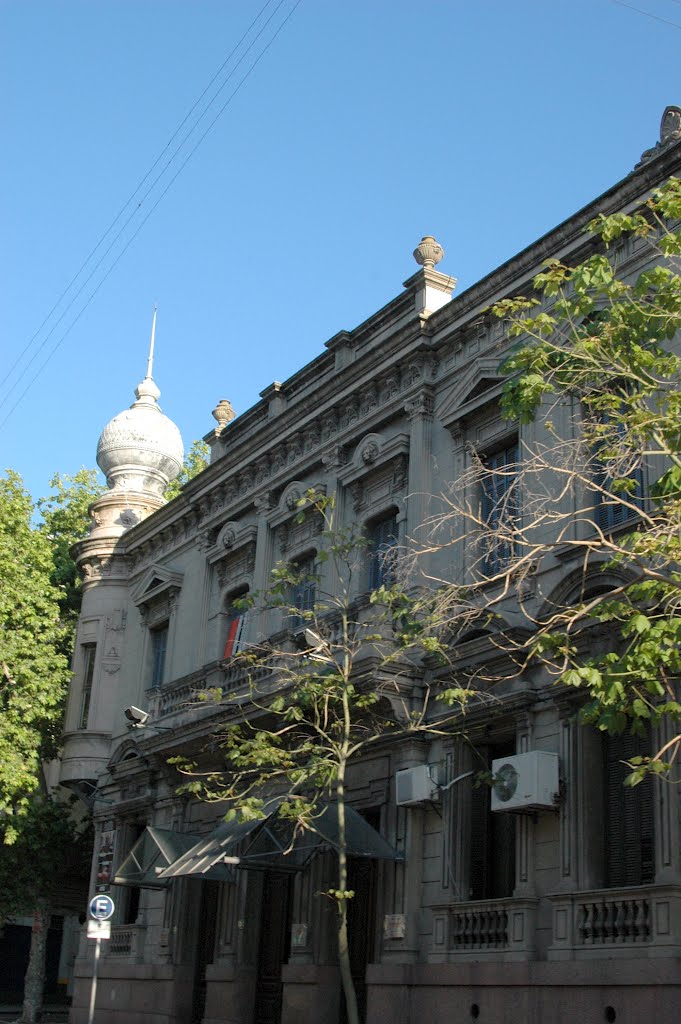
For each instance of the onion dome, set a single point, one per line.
(141, 449)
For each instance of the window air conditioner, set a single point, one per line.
(415, 785)
(525, 782)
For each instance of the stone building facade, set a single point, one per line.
(570, 913)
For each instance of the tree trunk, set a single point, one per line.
(34, 981)
(343, 944)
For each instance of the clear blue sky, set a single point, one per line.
(366, 124)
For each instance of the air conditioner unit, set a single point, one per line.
(525, 782)
(415, 785)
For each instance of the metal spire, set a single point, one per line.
(150, 360)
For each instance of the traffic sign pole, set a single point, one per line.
(93, 987)
(101, 909)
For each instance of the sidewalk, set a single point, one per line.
(50, 1014)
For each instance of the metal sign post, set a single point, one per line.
(99, 927)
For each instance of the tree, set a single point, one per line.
(53, 844)
(195, 460)
(65, 519)
(348, 677)
(596, 368)
(39, 603)
(35, 669)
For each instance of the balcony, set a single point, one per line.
(634, 921)
(221, 679)
(484, 930)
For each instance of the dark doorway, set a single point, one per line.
(205, 946)
(492, 842)
(361, 925)
(362, 881)
(273, 950)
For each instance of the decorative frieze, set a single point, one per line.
(323, 430)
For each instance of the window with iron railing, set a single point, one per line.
(303, 592)
(382, 536)
(500, 509)
(235, 623)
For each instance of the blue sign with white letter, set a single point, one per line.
(101, 907)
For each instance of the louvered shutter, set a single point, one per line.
(629, 819)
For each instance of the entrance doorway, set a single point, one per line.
(274, 946)
(205, 946)
(361, 929)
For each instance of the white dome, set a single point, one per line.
(141, 449)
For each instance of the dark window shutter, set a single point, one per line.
(630, 816)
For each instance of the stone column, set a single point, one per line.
(263, 565)
(419, 409)
(667, 814)
(332, 460)
(402, 894)
(524, 839)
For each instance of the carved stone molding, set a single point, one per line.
(420, 405)
(334, 457)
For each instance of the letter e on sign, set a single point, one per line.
(101, 907)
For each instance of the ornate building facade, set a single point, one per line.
(571, 912)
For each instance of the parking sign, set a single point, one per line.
(101, 907)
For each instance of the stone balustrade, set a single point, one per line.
(642, 918)
(126, 941)
(501, 929)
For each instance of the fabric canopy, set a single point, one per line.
(155, 850)
(280, 843)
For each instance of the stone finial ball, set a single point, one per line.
(428, 252)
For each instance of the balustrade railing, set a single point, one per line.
(219, 680)
(126, 940)
(491, 929)
(618, 919)
(585, 923)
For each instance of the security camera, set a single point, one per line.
(136, 717)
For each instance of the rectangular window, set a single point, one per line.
(629, 826)
(492, 839)
(499, 508)
(619, 462)
(610, 511)
(89, 652)
(304, 591)
(382, 550)
(236, 619)
(159, 645)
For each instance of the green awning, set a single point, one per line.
(280, 843)
(205, 855)
(155, 850)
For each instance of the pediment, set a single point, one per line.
(477, 385)
(288, 505)
(156, 581)
(374, 452)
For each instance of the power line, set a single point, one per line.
(647, 14)
(122, 210)
(146, 218)
(138, 207)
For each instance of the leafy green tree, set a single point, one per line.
(605, 346)
(339, 684)
(52, 847)
(195, 460)
(35, 669)
(39, 604)
(65, 519)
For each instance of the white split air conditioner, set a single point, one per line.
(415, 785)
(525, 782)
